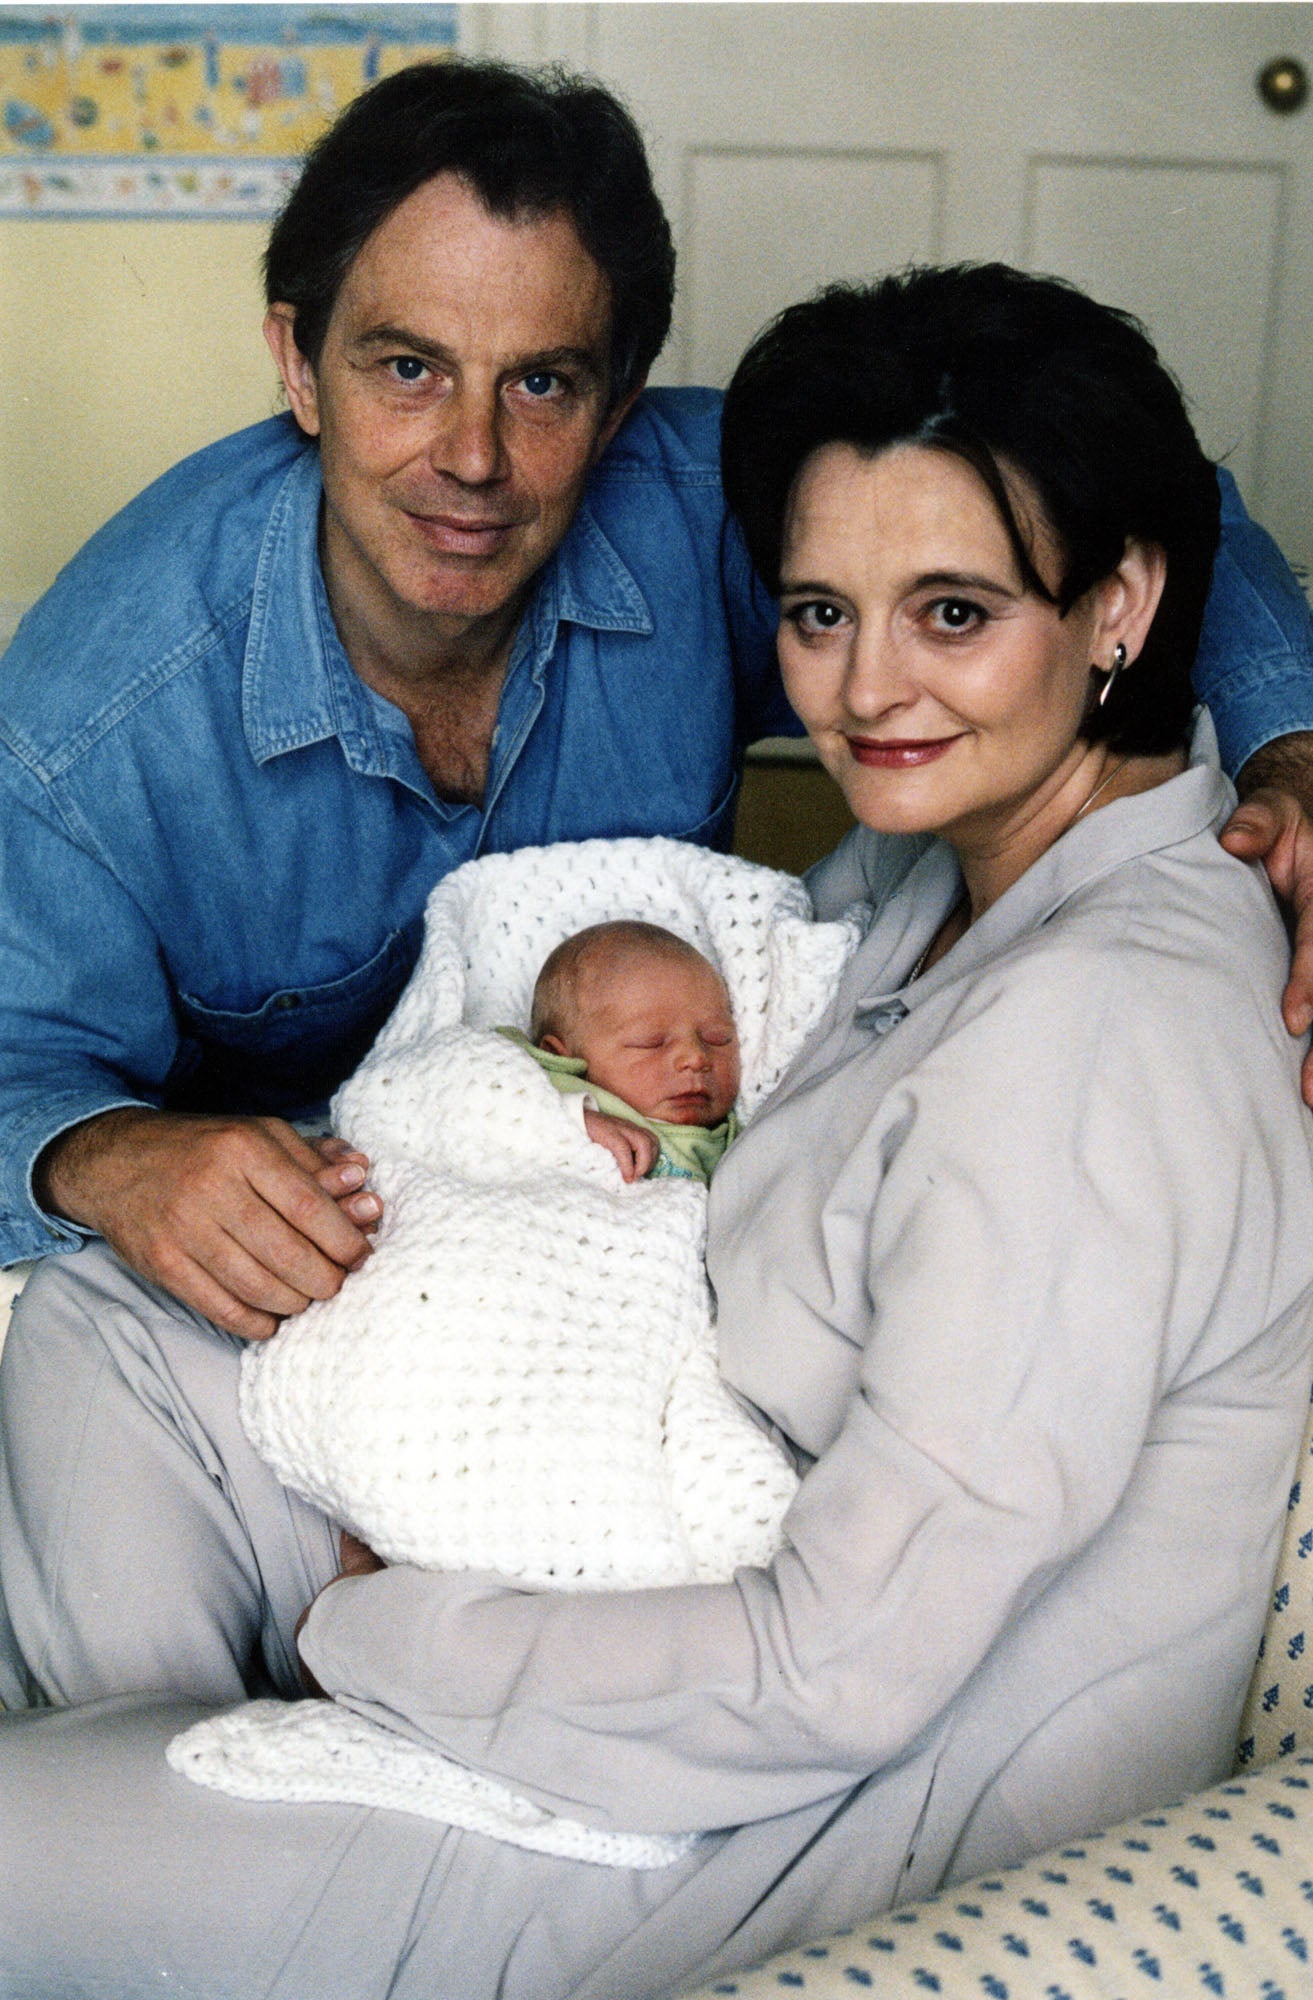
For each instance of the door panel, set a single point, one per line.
(1155, 239)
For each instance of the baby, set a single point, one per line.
(636, 1025)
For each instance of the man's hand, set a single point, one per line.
(1273, 825)
(240, 1218)
(342, 1174)
(633, 1148)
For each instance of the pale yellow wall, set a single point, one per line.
(123, 346)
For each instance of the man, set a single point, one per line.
(241, 757)
(475, 592)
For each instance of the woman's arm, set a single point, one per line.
(1023, 1255)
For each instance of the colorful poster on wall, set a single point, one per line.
(185, 111)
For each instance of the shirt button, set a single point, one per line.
(286, 1001)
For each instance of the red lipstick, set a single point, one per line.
(900, 753)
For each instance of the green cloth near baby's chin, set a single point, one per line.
(688, 1152)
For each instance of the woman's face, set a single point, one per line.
(939, 692)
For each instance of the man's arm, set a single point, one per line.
(1274, 825)
(1254, 666)
(237, 1217)
(1255, 671)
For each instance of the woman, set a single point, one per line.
(1017, 1260)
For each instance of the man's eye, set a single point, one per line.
(408, 368)
(540, 384)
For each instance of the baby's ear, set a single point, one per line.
(553, 1045)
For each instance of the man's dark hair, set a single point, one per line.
(1013, 374)
(529, 143)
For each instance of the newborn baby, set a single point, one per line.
(635, 1027)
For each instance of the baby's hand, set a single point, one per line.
(633, 1149)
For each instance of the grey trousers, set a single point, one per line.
(122, 1880)
(144, 1547)
(152, 1570)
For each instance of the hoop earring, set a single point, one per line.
(1118, 662)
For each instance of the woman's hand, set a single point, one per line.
(633, 1149)
(355, 1558)
(1273, 826)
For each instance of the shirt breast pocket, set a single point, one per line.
(717, 829)
(285, 1057)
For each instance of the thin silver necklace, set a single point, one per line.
(919, 967)
(1102, 786)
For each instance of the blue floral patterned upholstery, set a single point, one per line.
(1213, 1897)
(1278, 1716)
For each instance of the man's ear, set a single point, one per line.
(298, 376)
(615, 418)
(1130, 597)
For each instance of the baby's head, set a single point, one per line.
(650, 1017)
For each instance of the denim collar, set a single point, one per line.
(298, 686)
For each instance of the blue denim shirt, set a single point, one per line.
(218, 841)
(1254, 667)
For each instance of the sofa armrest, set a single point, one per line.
(1211, 1897)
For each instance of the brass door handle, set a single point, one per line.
(1283, 85)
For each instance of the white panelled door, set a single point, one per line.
(1124, 146)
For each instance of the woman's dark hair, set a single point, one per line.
(1011, 373)
(528, 143)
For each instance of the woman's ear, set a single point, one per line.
(1128, 600)
(298, 376)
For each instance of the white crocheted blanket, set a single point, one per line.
(523, 1378)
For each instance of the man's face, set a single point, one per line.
(460, 400)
